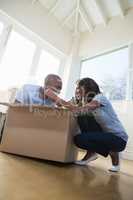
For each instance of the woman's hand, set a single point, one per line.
(88, 107)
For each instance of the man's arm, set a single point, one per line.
(22, 95)
(58, 101)
(94, 104)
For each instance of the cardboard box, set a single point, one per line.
(40, 132)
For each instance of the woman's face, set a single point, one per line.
(79, 92)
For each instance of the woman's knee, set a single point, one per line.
(77, 140)
(80, 141)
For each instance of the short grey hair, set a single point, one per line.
(50, 78)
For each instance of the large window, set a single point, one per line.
(47, 64)
(24, 62)
(23, 59)
(110, 72)
(16, 61)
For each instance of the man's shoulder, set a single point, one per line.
(30, 87)
(26, 92)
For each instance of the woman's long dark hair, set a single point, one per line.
(90, 87)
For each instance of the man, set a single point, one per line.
(34, 94)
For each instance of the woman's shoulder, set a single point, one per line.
(101, 98)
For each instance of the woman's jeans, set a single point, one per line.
(94, 139)
(99, 142)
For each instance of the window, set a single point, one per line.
(16, 62)
(110, 72)
(47, 64)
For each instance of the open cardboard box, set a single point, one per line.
(40, 132)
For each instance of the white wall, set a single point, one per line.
(124, 110)
(117, 33)
(36, 18)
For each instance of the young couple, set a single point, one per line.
(101, 132)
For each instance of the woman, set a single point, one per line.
(111, 138)
(86, 121)
(101, 131)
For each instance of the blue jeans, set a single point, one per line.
(99, 142)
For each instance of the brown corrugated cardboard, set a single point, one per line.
(40, 132)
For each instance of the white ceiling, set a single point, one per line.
(85, 15)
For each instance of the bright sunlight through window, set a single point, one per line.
(16, 62)
(110, 72)
(47, 64)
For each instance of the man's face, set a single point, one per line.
(56, 86)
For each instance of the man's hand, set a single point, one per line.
(58, 101)
(50, 94)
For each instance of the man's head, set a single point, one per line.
(53, 82)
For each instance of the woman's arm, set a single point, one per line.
(88, 107)
(92, 105)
